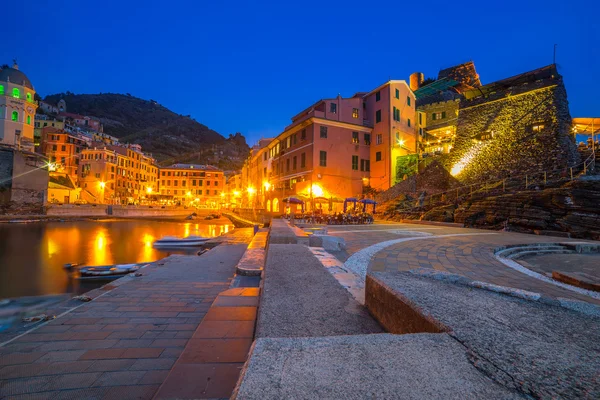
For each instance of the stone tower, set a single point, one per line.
(17, 109)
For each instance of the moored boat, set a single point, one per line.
(173, 241)
(105, 272)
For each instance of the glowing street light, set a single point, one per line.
(236, 193)
(317, 190)
(267, 186)
(251, 190)
(149, 190)
(102, 185)
(401, 142)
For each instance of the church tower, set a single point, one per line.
(17, 108)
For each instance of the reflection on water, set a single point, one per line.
(32, 255)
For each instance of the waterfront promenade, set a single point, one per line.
(403, 311)
(122, 344)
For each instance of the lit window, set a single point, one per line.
(368, 139)
(29, 120)
(355, 137)
(323, 158)
(537, 128)
(332, 108)
(323, 132)
(16, 93)
(355, 113)
(378, 156)
(15, 116)
(1, 89)
(28, 96)
(379, 139)
(378, 116)
(355, 163)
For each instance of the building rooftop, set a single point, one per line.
(193, 166)
(13, 75)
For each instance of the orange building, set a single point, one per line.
(192, 184)
(118, 174)
(63, 150)
(97, 170)
(323, 156)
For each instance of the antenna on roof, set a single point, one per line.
(15, 65)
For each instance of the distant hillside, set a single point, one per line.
(168, 136)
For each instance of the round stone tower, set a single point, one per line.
(17, 108)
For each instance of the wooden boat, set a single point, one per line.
(173, 241)
(105, 272)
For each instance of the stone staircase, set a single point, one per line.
(520, 251)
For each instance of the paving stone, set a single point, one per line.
(216, 351)
(120, 378)
(225, 330)
(236, 301)
(152, 364)
(142, 353)
(139, 392)
(20, 358)
(200, 381)
(73, 381)
(110, 365)
(102, 354)
(231, 314)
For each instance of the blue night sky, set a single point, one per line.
(249, 66)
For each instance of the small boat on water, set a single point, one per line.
(101, 272)
(173, 241)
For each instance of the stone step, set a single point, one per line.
(507, 253)
(521, 254)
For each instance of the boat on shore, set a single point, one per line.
(174, 241)
(101, 272)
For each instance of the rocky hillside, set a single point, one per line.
(570, 208)
(170, 137)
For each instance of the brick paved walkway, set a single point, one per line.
(122, 344)
(471, 256)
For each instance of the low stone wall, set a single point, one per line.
(395, 312)
(76, 210)
(253, 260)
(86, 210)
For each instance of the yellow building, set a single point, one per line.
(118, 175)
(17, 109)
(97, 169)
(192, 185)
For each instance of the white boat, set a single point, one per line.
(174, 241)
(105, 272)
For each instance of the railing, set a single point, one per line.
(496, 187)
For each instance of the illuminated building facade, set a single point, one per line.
(192, 184)
(63, 150)
(118, 175)
(17, 109)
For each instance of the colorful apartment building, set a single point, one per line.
(97, 175)
(118, 174)
(62, 149)
(192, 184)
(337, 148)
(391, 110)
